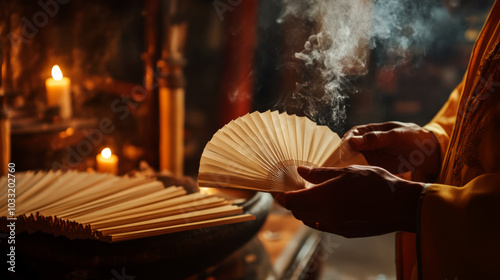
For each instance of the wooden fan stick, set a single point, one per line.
(120, 195)
(138, 205)
(80, 183)
(177, 228)
(38, 187)
(80, 205)
(107, 208)
(112, 215)
(131, 204)
(71, 195)
(88, 195)
(154, 188)
(58, 191)
(174, 220)
(155, 214)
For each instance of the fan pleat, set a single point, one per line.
(251, 134)
(229, 153)
(292, 132)
(216, 179)
(244, 159)
(328, 144)
(315, 143)
(259, 128)
(300, 126)
(285, 134)
(213, 159)
(266, 119)
(308, 137)
(278, 130)
(245, 147)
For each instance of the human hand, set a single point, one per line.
(355, 201)
(397, 147)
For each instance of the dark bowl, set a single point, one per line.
(171, 256)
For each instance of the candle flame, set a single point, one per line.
(106, 153)
(56, 73)
(205, 190)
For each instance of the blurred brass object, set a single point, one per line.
(4, 145)
(4, 139)
(171, 92)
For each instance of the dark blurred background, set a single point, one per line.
(237, 57)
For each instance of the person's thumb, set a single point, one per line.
(318, 175)
(279, 197)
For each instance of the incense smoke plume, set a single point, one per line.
(348, 30)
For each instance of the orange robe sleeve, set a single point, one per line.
(442, 124)
(459, 231)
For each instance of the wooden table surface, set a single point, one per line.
(284, 248)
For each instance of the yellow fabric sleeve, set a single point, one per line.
(459, 234)
(442, 124)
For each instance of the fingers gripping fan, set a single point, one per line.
(261, 151)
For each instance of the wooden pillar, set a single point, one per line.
(237, 80)
(5, 49)
(171, 92)
(148, 113)
(5, 152)
(5, 88)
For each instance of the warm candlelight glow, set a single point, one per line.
(106, 153)
(107, 162)
(205, 190)
(57, 73)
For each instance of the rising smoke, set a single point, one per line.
(348, 30)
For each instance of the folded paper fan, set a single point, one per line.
(261, 151)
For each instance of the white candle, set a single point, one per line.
(107, 162)
(58, 92)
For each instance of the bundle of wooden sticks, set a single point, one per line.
(109, 208)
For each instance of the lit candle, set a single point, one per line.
(58, 92)
(107, 162)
